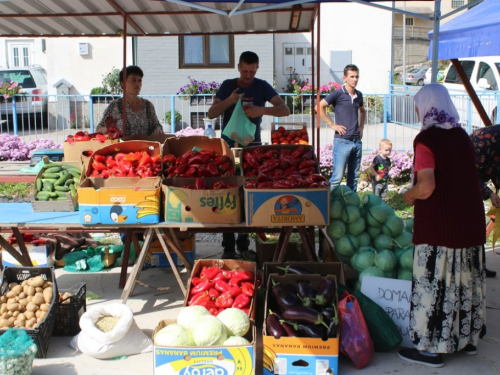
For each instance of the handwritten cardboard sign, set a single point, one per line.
(393, 296)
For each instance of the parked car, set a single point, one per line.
(415, 76)
(484, 76)
(33, 81)
(428, 76)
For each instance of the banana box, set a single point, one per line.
(119, 201)
(185, 204)
(298, 355)
(39, 256)
(216, 360)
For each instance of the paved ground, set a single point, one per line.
(151, 306)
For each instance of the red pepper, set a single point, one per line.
(70, 139)
(218, 277)
(307, 164)
(308, 155)
(206, 284)
(224, 167)
(207, 304)
(224, 301)
(241, 301)
(196, 280)
(199, 159)
(222, 286)
(210, 153)
(198, 298)
(245, 275)
(247, 289)
(283, 184)
(212, 168)
(235, 281)
(271, 154)
(213, 293)
(221, 159)
(99, 158)
(201, 184)
(307, 171)
(269, 166)
(101, 137)
(219, 185)
(250, 184)
(249, 158)
(209, 272)
(278, 173)
(263, 178)
(98, 166)
(298, 152)
(214, 311)
(203, 171)
(227, 274)
(285, 152)
(313, 185)
(169, 159)
(181, 169)
(265, 185)
(251, 173)
(234, 291)
(317, 177)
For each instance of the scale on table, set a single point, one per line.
(54, 154)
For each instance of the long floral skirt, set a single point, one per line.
(448, 307)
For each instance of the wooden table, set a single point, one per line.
(9, 172)
(17, 218)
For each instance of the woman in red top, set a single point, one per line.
(447, 311)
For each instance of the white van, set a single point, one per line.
(484, 76)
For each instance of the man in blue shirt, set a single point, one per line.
(350, 115)
(255, 93)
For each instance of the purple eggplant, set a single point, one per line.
(306, 329)
(290, 330)
(291, 288)
(274, 326)
(284, 297)
(328, 313)
(295, 270)
(303, 314)
(305, 290)
(326, 293)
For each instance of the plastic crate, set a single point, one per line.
(70, 310)
(41, 334)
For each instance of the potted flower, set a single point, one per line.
(168, 119)
(305, 90)
(9, 90)
(197, 91)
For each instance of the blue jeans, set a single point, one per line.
(346, 153)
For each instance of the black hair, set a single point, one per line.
(131, 69)
(351, 67)
(249, 57)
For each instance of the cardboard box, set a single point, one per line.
(287, 207)
(68, 205)
(73, 152)
(184, 205)
(208, 360)
(224, 264)
(298, 355)
(319, 268)
(39, 256)
(120, 200)
(157, 257)
(152, 148)
(160, 137)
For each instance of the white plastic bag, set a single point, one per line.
(126, 338)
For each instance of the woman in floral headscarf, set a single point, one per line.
(447, 311)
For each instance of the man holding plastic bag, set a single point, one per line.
(253, 93)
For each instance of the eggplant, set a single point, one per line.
(291, 332)
(303, 314)
(274, 326)
(284, 297)
(291, 288)
(305, 290)
(295, 270)
(332, 328)
(311, 330)
(326, 292)
(328, 313)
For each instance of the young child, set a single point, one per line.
(379, 168)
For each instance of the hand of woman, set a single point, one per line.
(495, 200)
(109, 121)
(408, 197)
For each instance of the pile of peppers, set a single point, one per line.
(201, 184)
(132, 164)
(298, 310)
(218, 289)
(112, 132)
(282, 169)
(194, 163)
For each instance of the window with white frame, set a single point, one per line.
(206, 51)
(19, 55)
(409, 21)
(457, 3)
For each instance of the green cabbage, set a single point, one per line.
(236, 340)
(174, 335)
(189, 315)
(209, 331)
(235, 320)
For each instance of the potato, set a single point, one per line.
(3, 299)
(12, 320)
(41, 316)
(22, 295)
(11, 300)
(3, 308)
(29, 298)
(4, 323)
(5, 315)
(38, 299)
(29, 315)
(66, 298)
(13, 307)
(38, 289)
(47, 284)
(24, 283)
(45, 307)
(48, 294)
(10, 294)
(17, 289)
(30, 322)
(36, 281)
(23, 302)
(12, 285)
(31, 306)
(21, 316)
(16, 313)
(19, 323)
(30, 290)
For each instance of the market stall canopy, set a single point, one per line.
(93, 18)
(472, 33)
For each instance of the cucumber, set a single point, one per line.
(53, 194)
(72, 168)
(51, 175)
(72, 188)
(53, 170)
(61, 193)
(61, 199)
(42, 196)
(52, 180)
(53, 165)
(48, 186)
(64, 176)
(69, 181)
(61, 188)
(75, 174)
(39, 184)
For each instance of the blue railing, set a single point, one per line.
(389, 115)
